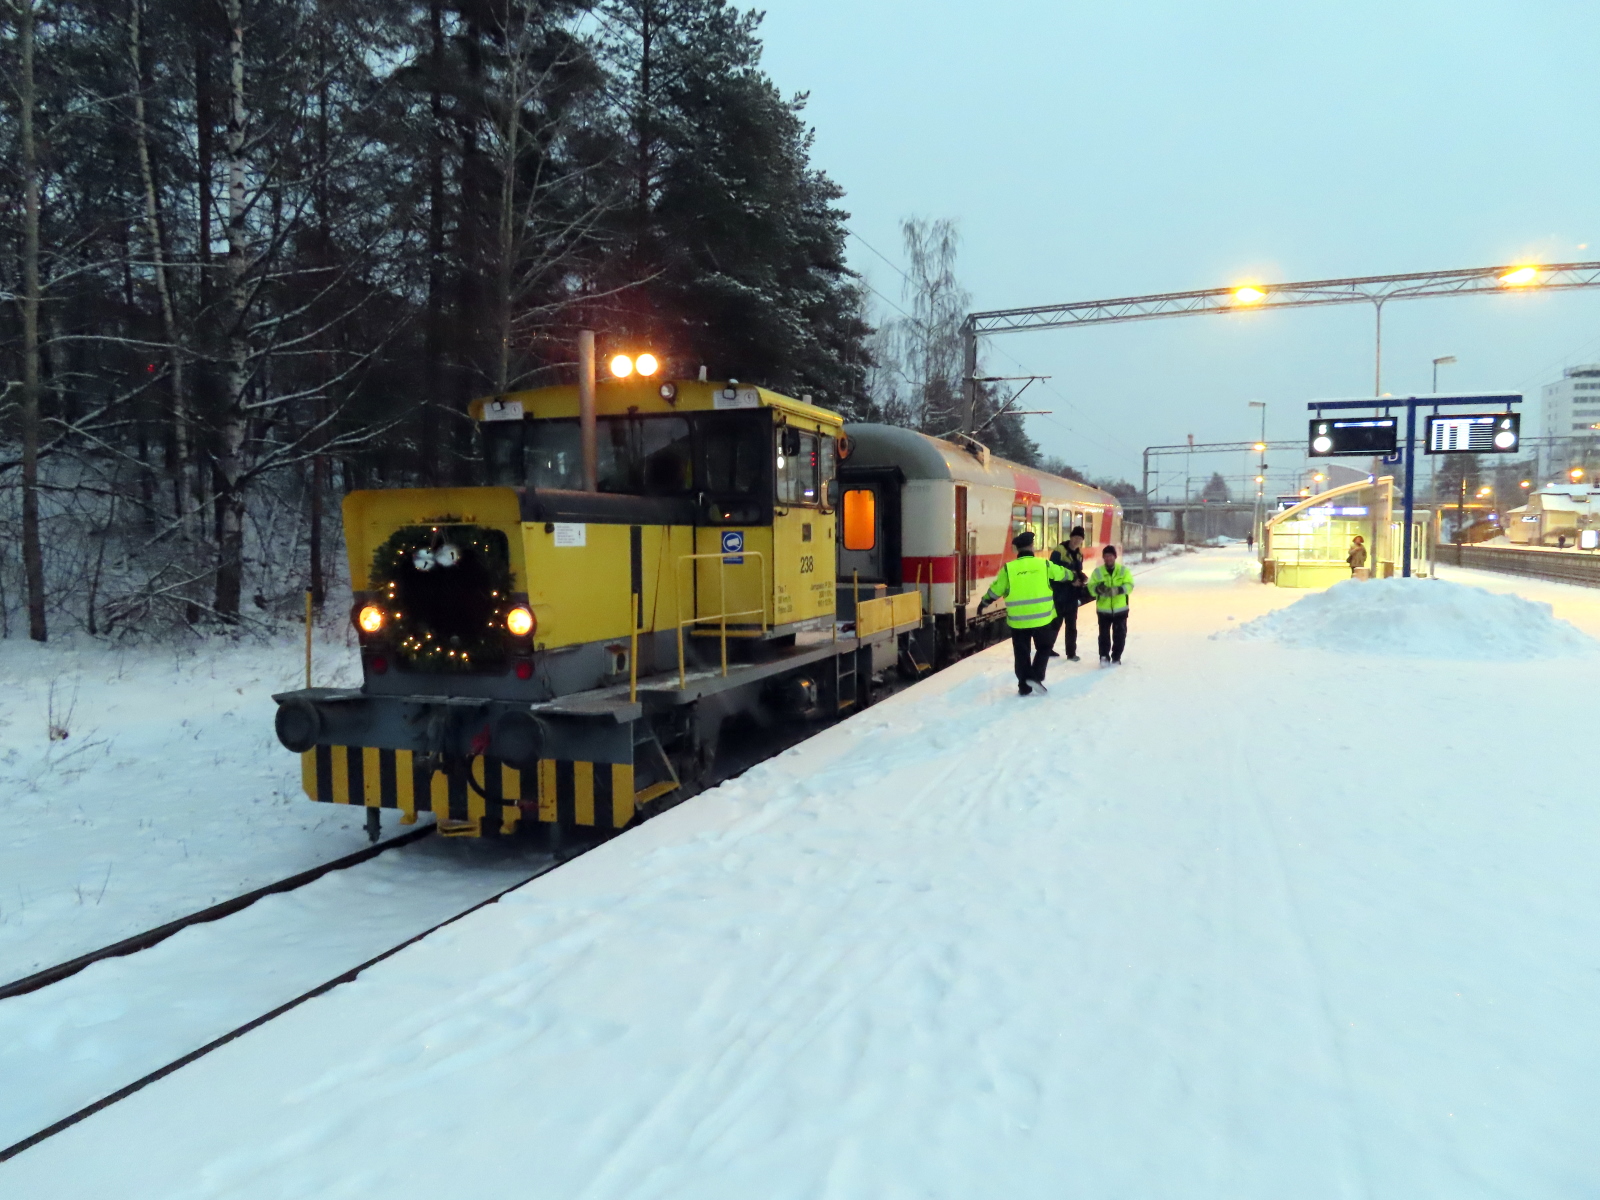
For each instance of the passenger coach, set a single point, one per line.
(920, 513)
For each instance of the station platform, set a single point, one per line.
(1232, 920)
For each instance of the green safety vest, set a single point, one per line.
(1101, 583)
(1024, 584)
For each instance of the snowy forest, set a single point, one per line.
(256, 253)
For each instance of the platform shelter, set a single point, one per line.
(1307, 546)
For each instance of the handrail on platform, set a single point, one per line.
(722, 601)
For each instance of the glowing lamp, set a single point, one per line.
(519, 622)
(1521, 277)
(1575, 474)
(622, 366)
(370, 618)
(1248, 295)
(646, 364)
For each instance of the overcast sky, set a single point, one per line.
(1099, 150)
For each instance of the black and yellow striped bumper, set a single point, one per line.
(600, 795)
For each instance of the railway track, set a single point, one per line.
(729, 768)
(215, 912)
(1561, 566)
(239, 1030)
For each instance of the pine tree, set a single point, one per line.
(737, 239)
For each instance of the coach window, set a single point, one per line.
(1037, 524)
(1053, 528)
(860, 519)
(1019, 518)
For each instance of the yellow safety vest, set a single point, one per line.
(1101, 583)
(1024, 584)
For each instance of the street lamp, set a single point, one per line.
(1521, 277)
(1442, 361)
(1576, 474)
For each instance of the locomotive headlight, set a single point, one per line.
(520, 622)
(370, 618)
(622, 366)
(646, 364)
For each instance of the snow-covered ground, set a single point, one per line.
(168, 792)
(65, 1046)
(1238, 919)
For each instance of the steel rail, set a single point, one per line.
(122, 1093)
(151, 937)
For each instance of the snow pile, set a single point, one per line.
(1421, 618)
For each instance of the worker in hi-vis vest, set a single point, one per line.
(1024, 584)
(1110, 585)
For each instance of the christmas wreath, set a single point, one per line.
(446, 588)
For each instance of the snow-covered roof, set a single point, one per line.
(1557, 502)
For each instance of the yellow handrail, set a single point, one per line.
(722, 601)
(637, 605)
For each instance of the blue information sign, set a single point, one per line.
(732, 546)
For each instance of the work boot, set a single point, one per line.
(1055, 654)
(1072, 658)
(1023, 689)
(1039, 683)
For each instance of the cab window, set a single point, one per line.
(827, 465)
(503, 464)
(732, 448)
(635, 456)
(797, 455)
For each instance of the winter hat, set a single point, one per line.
(1023, 540)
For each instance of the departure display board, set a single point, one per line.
(1475, 433)
(1350, 436)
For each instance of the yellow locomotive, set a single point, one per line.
(646, 560)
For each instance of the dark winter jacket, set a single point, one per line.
(1075, 586)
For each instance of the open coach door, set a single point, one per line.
(869, 534)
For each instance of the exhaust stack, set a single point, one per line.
(586, 433)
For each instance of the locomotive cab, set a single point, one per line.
(534, 649)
